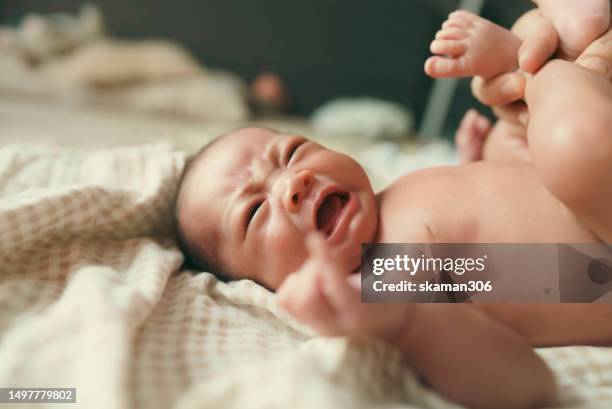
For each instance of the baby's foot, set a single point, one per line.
(469, 45)
(471, 136)
(579, 23)
(540, 41)
(507, 142)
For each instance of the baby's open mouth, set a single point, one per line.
(329, 212)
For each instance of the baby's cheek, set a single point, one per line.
(277, 244)
(285, 246)
(279, 241)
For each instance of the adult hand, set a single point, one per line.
(597, 57)
(504, 94)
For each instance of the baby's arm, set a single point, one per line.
(545, 325)
(473, 360)
(459, 351)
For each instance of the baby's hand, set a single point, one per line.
(326, 296)
(311, 294)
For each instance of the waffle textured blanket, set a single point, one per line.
(92, 297)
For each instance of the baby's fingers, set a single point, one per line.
(301, 295)
(341, 294)
(320, 250)
(334, 274)
(317, 246)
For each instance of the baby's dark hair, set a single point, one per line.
(196, 259)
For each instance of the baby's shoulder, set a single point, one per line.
(411, 208)
(421, 190)
(432, 205)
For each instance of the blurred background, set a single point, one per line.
(320, 49)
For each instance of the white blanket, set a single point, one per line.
(91, 297)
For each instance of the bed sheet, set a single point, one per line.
(92, 296)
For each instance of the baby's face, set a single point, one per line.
(258, 194)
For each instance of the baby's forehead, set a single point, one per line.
(222, 165)
(231, 152)
(251, 138)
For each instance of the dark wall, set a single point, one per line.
(324, 48)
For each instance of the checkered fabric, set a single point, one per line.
(92, 297)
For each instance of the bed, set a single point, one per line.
(92, 294)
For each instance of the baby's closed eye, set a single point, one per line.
(291, 150)
(252, 212)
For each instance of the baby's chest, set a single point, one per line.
(410, 222)
(410, 214)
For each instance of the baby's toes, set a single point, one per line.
(451, 33)
(462, 14)
(441, 67)
(454, 23)
(448, 47)
(471, 135)
(461, 18)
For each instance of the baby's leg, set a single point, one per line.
(546, 325)
(570, 136)
(471, 136)
(507, 142)
(579, 22)
(469, 45)
(476, 140)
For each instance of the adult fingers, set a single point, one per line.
(598, 56)
(500, 90)
(525, 25)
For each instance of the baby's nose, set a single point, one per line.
(299, 188)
